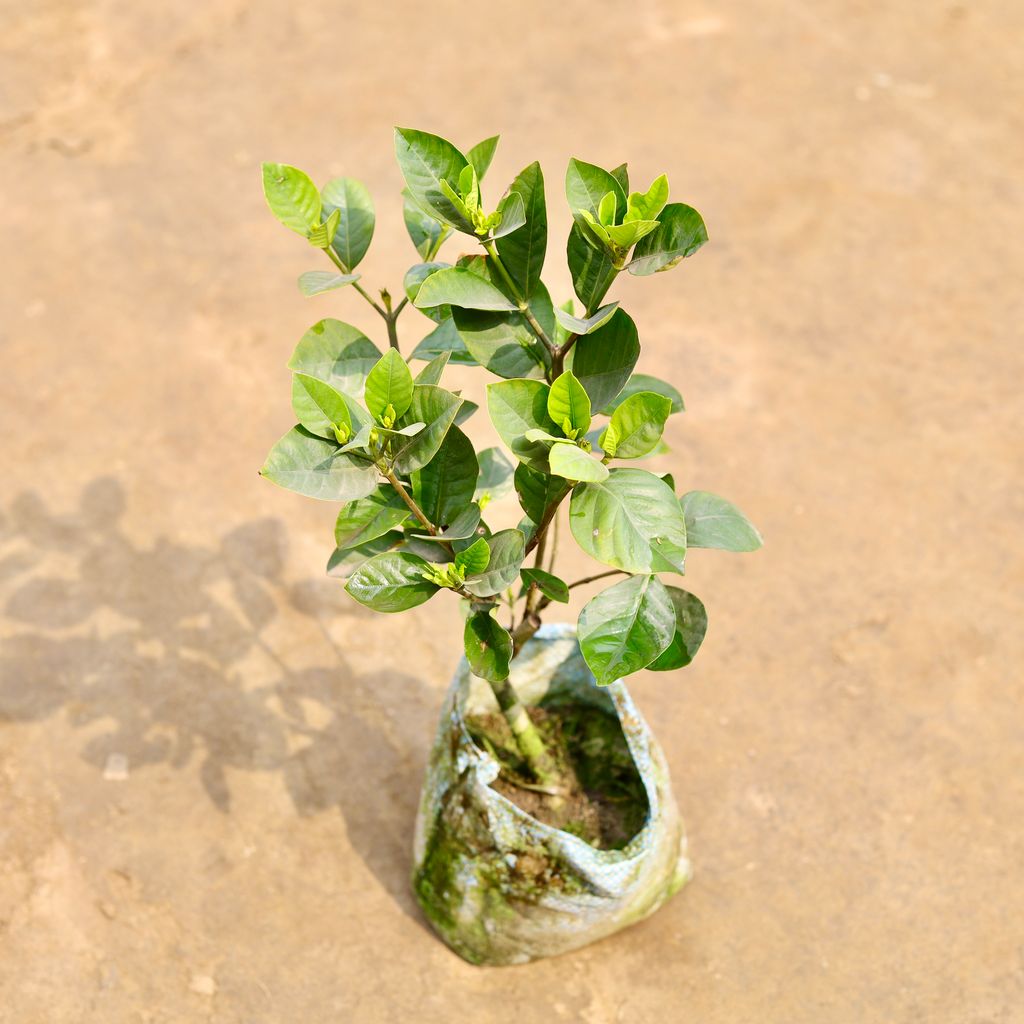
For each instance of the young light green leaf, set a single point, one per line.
(474, 559)
(566, 460)
(587, 184)
(488, 646)
(337, 353)
(389, 386)
(681, 234)
(320, 408)
(302, 462)
(426, 232)
(508, 549)
(481, 155)
(516, 406)
(569, 405)
(636, 426)
(445, 485)
(495, 479)
(437, 408)
(625, 236)
(344, 561)
(431, 373)
(713, 522)
(391, 582)
(626, 627)
(548, 584)
(647, 205)
(444, 338)
(513, 215)
(292, 197)
(603, 361)
(321, 235)
(591, 267)
(605, 209)
(632, 521)
(580, 326)
(425, 161)
(522, 251)
(645, 382)
(691, 625)
(352, 201)
(315, 282)
(458, 286)
(366, 519)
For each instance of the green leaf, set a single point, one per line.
(495, 479)
(548, 584)
(508, 549)
(457, 286)
(337, 353)
(292, 197)
(465, 411)
(522, 251)
(445, 485)
(474, 559)
(438, 409)
(389, 383)
(636, 426)
(444, 338)
(626, 627)
(536, 491)
(591, 267)
(462, 527)
(315, 282)
(391, 582)
(344, 561)
(681, 234)
(366, 519)
(355, 225)
(414, 278)
(516, 406)
(501, 342)
(573, 463)
(647, 205)
(426, 232)
(587, 184)
(691, 625)
(513, 215)
(302, 462)
(488, 646)
(319, 407)
(625, 236)
(631, 521)
(713, 522)
(569, 405)
(425, 161)
(580, 326)
(621, 175)
(603, 361)
(645, 382)
(481, 155)
(431, 373)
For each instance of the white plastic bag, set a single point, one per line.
(471, 841)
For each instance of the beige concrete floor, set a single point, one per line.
(209, 757)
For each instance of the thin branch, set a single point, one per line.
(524, 308)
(333, 256)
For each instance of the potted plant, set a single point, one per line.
(547, 818)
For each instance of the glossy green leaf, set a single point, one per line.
(547, 583)
(681, 234)
(645, 382)
(691, 625)
(344, 561)
(462, 527)
(425, 161)
(713, 522)
(488, 646)
(427, 233)
(292, 197)
(522, 251)
(592, 268)
(315, 282)
(566, 460)
(302, 462)
(431, 373)
(587, 184)
(355, 225)
(495, 479)
(389, 384)
(445, 485)
(438, 409)
(621, 175)
(580, 325)
(337, 353)
(508, 549)
(569, 405)
(641, 206)
(603, 361)
(414, 278)
(481, 155)
(391, 582)
(444, 338)
(457, 286)
(501, 342)
(366, 519)
(516, 406)
(319, 407)
(631, 521)
(474, 559)
(636, 426)
(536, 490)
(512, 214)
(626, 627)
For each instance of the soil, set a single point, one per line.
(603, 800)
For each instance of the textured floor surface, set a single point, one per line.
(209, 757)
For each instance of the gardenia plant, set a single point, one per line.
(574, 416)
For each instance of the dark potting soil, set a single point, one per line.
(603, 799)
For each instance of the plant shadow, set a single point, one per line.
(176, 649)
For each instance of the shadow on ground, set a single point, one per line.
(161, 645)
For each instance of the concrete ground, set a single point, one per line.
(209, 757)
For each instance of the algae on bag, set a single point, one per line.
(501, 887)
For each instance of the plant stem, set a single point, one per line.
(414, 508)
(334, 258)
(518, 296)
(529, 741)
